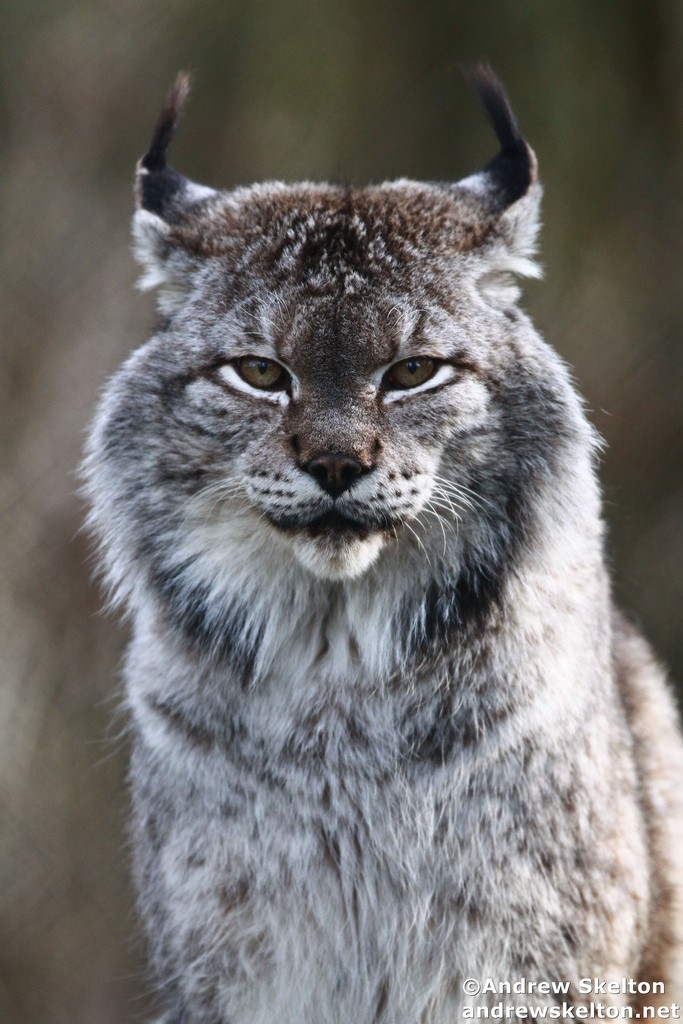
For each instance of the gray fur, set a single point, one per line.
(373, 760)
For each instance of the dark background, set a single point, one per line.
(357, 90)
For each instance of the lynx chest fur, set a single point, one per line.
(389, 732)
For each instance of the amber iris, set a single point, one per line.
(261, 373)
(410, 373)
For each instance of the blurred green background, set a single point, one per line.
(307, 88)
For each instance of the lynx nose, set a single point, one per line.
(334, 471)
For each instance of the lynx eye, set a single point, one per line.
(409, 373)
(262, 373)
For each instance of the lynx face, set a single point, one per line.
(330, 376)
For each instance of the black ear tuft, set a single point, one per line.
(514, 169)
(154, 159)
(158, 187)
(489, 87)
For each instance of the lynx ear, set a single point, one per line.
(506, 189)
(164, 201)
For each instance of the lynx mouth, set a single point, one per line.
(336, 524)
(331, 522)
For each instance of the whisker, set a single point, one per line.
(209, 497)
(448, 505)
(218, 486)
(430, 512)
(443, 523)
(457, 518)
(445, 499)
(458, 502)
(462, 490)
(424, 550)
(450, 488)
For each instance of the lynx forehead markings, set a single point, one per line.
(390, 733)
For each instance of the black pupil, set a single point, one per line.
(413, 365)
(262, 366)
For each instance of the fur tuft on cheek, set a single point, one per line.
(164, 265)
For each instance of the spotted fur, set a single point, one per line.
(395, 737)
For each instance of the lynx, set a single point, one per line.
(389, 733)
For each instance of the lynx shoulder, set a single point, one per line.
(389, 732)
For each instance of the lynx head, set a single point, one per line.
(341, 385)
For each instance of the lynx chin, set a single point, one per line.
(389, 732)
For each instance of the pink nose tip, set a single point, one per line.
(334, 471)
